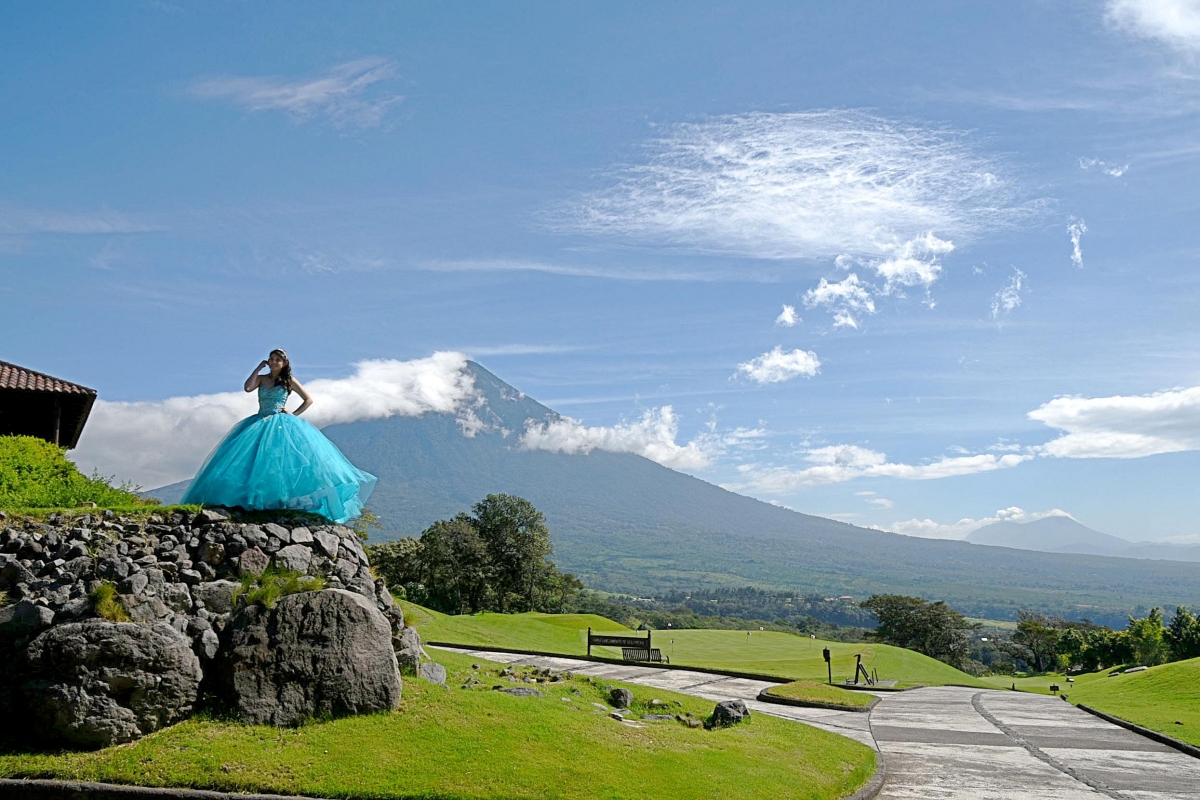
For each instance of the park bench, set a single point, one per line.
(633, 648)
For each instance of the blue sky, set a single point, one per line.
(981, 217)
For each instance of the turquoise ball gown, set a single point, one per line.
(274, 460)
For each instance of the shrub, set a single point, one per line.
(104, 600)
(266, 589)
(37, 474)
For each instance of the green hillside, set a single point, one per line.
(626, 524)
(765, 652)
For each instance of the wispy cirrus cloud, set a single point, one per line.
(1175, 23)
(1076, 228)
(778, 365)
(1112, 170)
(805, 185)
(841, 463)
(348, 95)
(1129, 426)
(156, 442)
(1008, 298)
(18, 221)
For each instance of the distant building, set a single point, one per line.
(33, 404)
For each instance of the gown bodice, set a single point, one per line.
(271, 400)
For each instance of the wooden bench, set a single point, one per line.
(653, 655)
(633, 648)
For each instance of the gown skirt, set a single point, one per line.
(279, 461)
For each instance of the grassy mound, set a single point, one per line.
(479, 743)
(814, 692)
(765, 652)
(37, 474)
(1156, 698)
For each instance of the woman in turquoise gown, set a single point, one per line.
(275, 460)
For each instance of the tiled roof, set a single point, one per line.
(14, 377)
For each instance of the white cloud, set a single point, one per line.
(157, 442)
(777, 366)
(928, 529)
(913, 263)
(881, 502)
(1122, 426)
(1173, 22)
(1008, 298)
(345, 95)
(805, 185)
(1076, 229)
(15, 221)
(787, 318)
(652, 436)
(840, 463)
(844, 298)
(1112, 170)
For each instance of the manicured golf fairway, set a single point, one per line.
(764, 652)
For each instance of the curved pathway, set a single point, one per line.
(953, 743)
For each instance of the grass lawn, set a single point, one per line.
(766, 652)
(478, 743)
(1156, 698)
(822, 693)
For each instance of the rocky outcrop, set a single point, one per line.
(315, 654)
(97, 683)
(184, 572)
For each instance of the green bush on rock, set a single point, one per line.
(37, 474)
(267, 589)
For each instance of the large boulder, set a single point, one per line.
(97, 683)
(325, 653)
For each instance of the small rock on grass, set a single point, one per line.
(432, 673)
(522, 691)
(620, 698)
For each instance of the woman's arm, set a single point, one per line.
(298, 389)
(252, 381)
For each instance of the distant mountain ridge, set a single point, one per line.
(624, 523)
(1062, 534)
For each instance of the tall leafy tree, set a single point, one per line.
(1039, 635)
(1183, 634)
(518, 543)
(455, 565)
(934, 629)
(1147, 638)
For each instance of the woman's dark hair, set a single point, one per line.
(285, 374)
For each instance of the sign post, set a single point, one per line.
(828, 664)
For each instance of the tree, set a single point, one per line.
(934, 629)
(454, 565)
(518, 543)
(1183, 635)
(396, 562)
(1147, 638)
(1039, 635)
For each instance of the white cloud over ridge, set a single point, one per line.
(840, 463)
(157, 442)
(344, 94)
(928, 529)
(777, 366)
(1173, 22)
(652, 436)
(805, 185)
(1122, 426)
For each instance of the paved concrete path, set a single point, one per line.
(951, 743)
